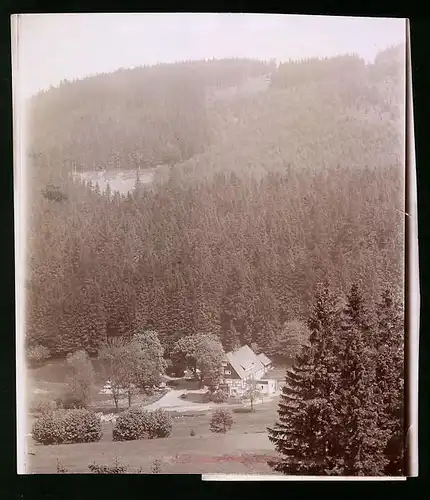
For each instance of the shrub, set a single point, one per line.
(59, 403)
(157, 466)
(49, 428)
(72, 426)
(148, 391)
(130, 425)
(219, 396)
(82, 426)
(37, 355)
(139, 424)
(222, 420)
(212, 387)
(163, 423)
(60, 468)
(72, 402)
(117, 468)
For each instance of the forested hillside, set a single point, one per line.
(131, 118)
(270, 191)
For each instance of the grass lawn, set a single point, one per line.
(245, 449)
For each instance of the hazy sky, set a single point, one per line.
(52, 47)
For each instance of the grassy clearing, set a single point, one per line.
(244, 450)
(221, 454)
(203, 453)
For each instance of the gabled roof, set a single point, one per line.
(264, 359)
(245, 361)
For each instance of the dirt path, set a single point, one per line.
(172, 401)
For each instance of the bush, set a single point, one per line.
(222, 421)
(82, 426)
(37, 354)
(59, 402)
(139, 424)
(163, 423)
(117, 468)
(72, 426)
(157, 466)
(219, 396)
(130, 425)
(60, 468)
(49, 428)
(72, 402)
(212, 387)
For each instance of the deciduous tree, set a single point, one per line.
(202, 354)
(81, 378)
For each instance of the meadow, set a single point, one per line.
(245, 449)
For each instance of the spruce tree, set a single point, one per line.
(361, 441)
(231, 340)
(390, 377)
(305, 433)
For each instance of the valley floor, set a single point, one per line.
(245, 449)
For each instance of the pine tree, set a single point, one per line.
(108, 192)
(288, 342)
(231, 339)
(361, 442)
(305, 433)
(390, 377)
(137, 184)
(233, 311)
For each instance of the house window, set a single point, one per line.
(228, 372)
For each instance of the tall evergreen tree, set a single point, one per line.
(390, 377)
(361, 441)
(305, 433)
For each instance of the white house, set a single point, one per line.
(242, 366)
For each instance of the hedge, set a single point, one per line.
(67, 426)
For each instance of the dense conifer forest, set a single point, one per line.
(263, 193)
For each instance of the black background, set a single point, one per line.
(88, 486)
